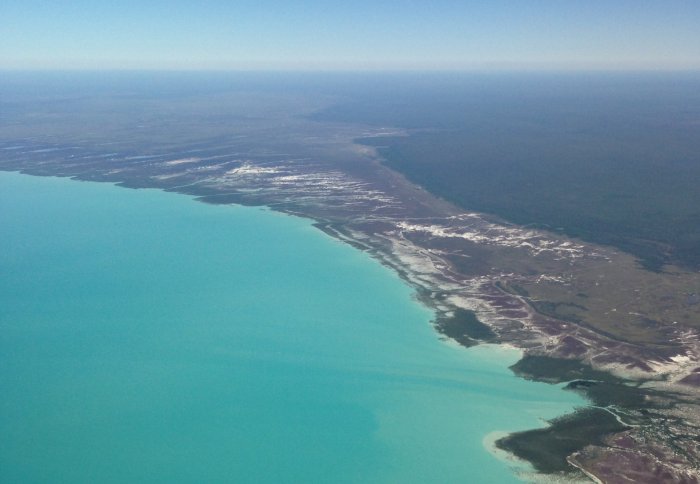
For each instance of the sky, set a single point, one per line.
(349, 35)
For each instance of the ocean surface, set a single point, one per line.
(145, 337)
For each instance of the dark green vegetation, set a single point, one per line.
(603, 393)
(548, 448)
(465, 328)
(557, 370)
(601, 388)
(610, 158)
(558, 310)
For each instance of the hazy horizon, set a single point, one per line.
(329, 36)
(349, 70)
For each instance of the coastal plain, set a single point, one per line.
(618, 326)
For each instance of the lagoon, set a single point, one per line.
(145, 337)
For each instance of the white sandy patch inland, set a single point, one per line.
(182, 161)
(250, 169)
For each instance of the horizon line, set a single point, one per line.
(320, 70)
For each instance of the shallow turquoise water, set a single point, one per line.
(145, 337)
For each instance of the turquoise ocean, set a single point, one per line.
(146, 337)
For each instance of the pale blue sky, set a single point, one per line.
(360, 34)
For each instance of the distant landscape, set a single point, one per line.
(609, 158)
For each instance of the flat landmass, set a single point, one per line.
(557, 214)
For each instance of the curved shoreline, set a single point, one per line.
(454, 260)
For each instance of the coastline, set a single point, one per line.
(450, 386)
(423, 239)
